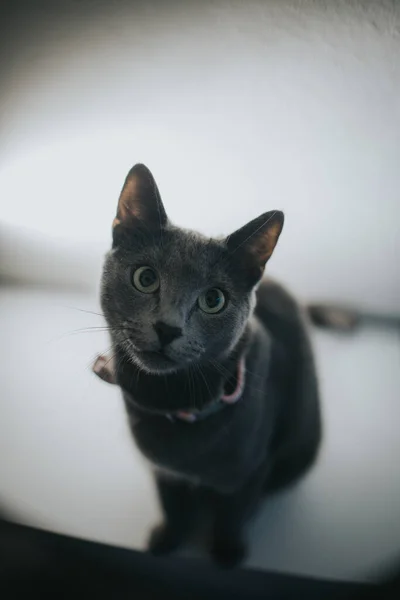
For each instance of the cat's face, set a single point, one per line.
(174, 300)
(171, 297)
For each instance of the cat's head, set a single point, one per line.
(173, 297)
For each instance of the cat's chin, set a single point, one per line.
(155, 362)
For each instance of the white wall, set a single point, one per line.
(238, 108)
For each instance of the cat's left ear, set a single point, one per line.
(140, 200)
(257, 240)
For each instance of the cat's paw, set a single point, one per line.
(163, 540)
(228, 553)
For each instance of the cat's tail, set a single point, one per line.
(346, 319)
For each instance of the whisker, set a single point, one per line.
(100, 328)
(193, 388)
(110, 359)
(204, 379)
(90, 364)
(90, 312)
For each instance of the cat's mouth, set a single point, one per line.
(158, 361)
(154, 361)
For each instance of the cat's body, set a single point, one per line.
(254, 350)
(277, 410)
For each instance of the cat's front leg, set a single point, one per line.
(232, 511)
(178, 503)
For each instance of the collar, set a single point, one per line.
(214, 407)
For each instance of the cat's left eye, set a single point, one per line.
(212, 301)
(146, 280)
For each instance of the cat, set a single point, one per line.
(214, 363)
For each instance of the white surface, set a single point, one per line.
(237, 107)
(67, 462)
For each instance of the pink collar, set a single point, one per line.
(192, 416)
(238, 391)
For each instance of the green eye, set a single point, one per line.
(212, 301)
(146, 280)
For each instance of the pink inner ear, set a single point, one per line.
(129, 203)
(265, 244)
(140, 200)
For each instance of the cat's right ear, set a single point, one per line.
(140, 201)
(256, 242)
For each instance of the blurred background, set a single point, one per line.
(237, 108)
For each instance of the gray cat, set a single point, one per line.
(215, 366)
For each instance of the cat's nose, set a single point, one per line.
(167, 333)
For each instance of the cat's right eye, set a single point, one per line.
(146, 280)
(212, 301)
